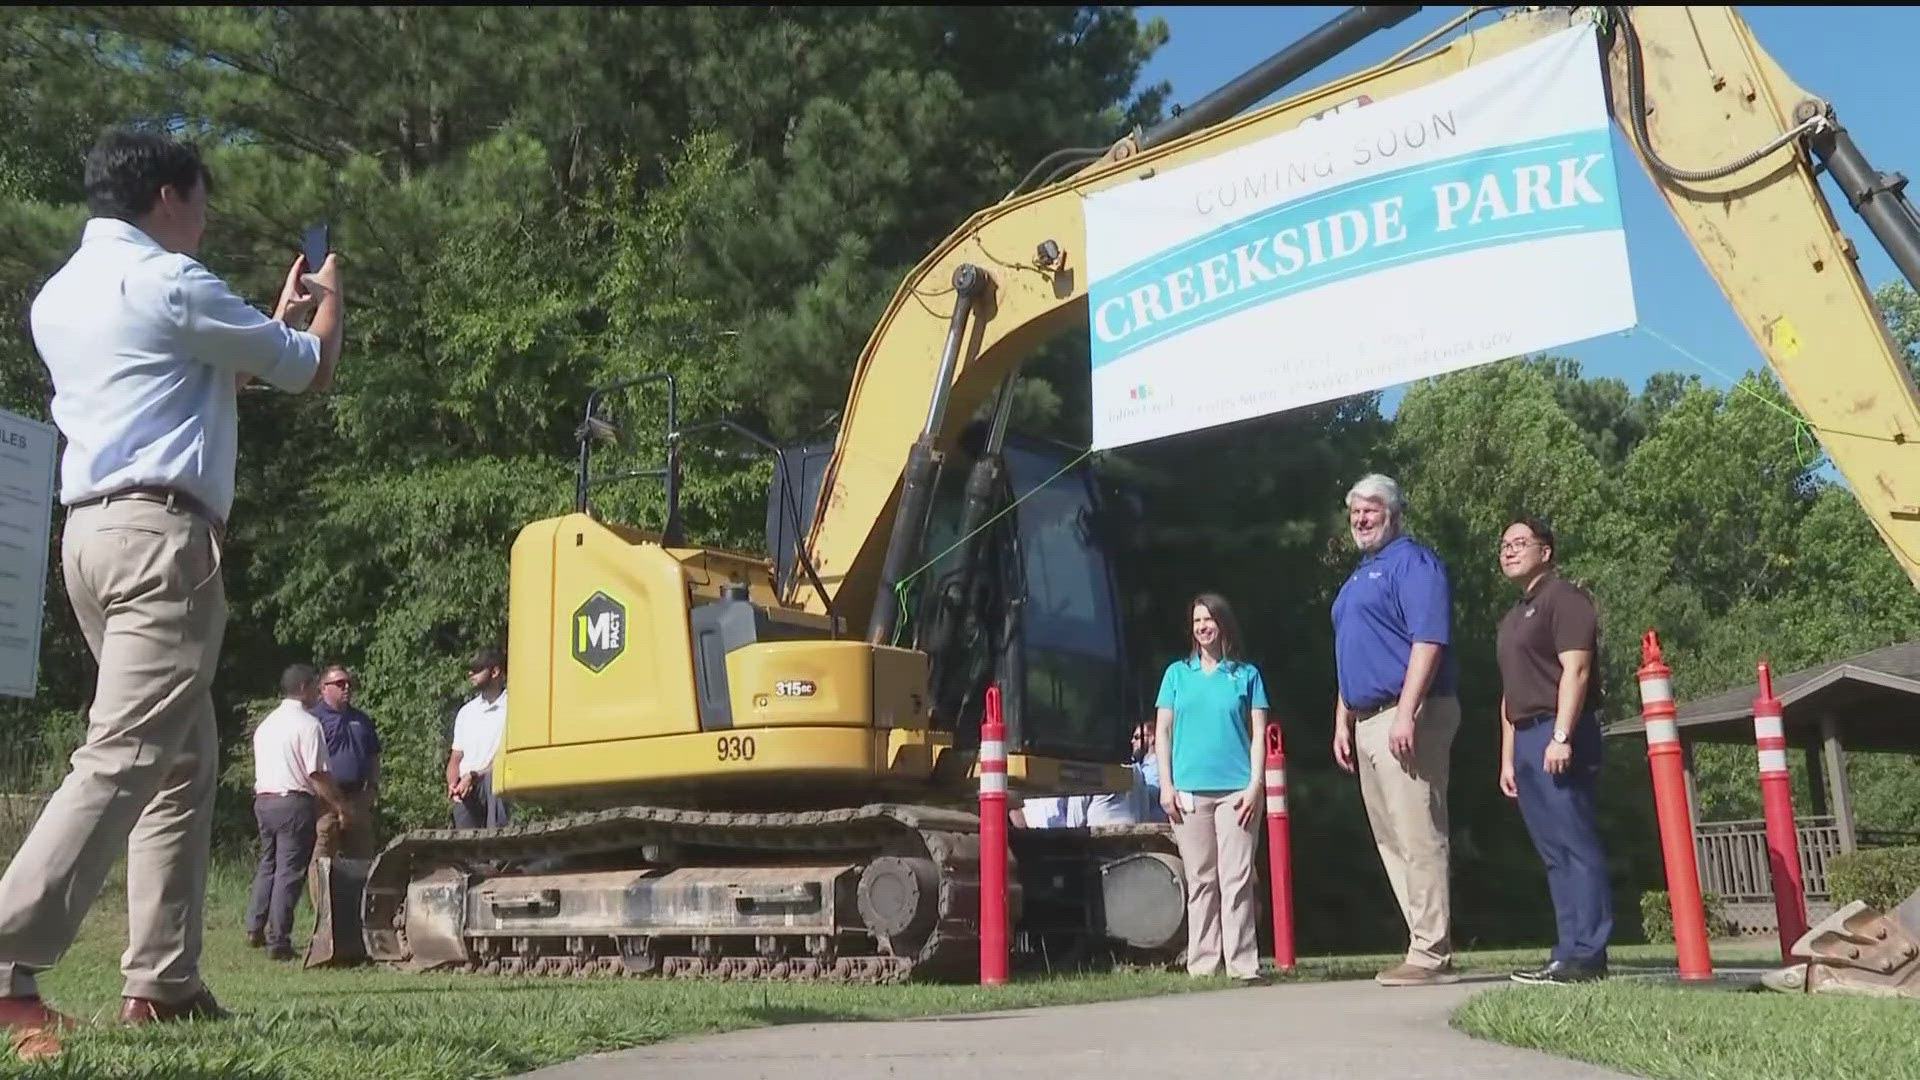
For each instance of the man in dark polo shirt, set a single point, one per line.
(1548, 646)
(353, 753)
(1395, 717)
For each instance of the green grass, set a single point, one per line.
(1674, 1033)
(369, 1024)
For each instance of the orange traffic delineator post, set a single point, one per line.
(1279, 850)
(1776, 794)
(1670, 804)
(993, 843)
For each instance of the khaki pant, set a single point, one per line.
(145, 586)
(1408, 812)
(355, 841)
(333, 841)
(1218, 855)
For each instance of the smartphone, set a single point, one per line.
(314, 244)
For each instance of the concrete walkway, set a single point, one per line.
(1312, 1031)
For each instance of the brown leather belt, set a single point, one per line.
(171, 498)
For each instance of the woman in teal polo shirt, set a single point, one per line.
(1212, 733)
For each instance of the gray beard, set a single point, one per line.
(1386, 538)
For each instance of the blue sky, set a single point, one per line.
(1857, 58)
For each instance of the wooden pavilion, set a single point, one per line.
(1869, 702)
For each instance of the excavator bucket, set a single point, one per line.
(1857, 950)
(338, 885)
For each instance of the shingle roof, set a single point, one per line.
(1875, 696)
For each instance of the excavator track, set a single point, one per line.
(636, 836)
(416, 903)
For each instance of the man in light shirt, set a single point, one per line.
(146, 350)
(479, 732)
(291, 777)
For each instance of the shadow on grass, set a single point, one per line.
(455, 988)
(799, 1014)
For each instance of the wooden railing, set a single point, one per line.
(1734, 863)
(1888, 838)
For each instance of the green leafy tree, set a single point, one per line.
(529, 203)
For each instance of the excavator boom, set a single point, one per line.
(1691, 85)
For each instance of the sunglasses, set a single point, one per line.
(344, 684)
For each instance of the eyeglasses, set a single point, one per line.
(1516, 545)
(344, 684)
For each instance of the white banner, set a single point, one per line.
(26, 517)
(1472, 219)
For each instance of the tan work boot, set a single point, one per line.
(1408, 974)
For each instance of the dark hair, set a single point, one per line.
(486, 658)
(126, 170)
(1223, 618)
(297, 678)
(1541, 531)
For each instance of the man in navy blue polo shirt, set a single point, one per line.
(1396, 714)
(353, 753)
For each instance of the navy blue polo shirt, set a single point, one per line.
(1396, 596)
(351, 743)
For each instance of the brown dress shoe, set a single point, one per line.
(32, 1029)
(201, 1006)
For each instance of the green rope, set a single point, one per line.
(1806, 443)
(900, 588)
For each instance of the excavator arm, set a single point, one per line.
(1731, 142)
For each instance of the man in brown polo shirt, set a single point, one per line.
(1550, 746)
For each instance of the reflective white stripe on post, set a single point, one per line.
(993, 750)
(993, 783)
(1656, 689)
(1767, 727)
(1662, 731)
(1276, 792)
(1773, 761)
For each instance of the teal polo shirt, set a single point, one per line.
(1212, 722)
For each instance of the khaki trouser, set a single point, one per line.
(1218, 855)
(145, 586)
(355, 841)
(334, 841)
(1408, 812)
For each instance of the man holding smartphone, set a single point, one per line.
(146, 349)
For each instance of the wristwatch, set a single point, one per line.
(1559, 736)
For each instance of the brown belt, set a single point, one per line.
(171, 498)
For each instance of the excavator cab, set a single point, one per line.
(1029, 601)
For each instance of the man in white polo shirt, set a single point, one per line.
(479, 732)
(146, 350)
(291, 778)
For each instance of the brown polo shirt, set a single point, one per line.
(1553, 617)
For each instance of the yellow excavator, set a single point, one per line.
(767, 762)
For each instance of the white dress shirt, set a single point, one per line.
(144, 346)
(288, 748)
(478, 730)
(1055, 811)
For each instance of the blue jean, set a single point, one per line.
(1559, 812)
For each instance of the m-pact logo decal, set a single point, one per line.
(599, 631)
